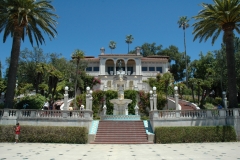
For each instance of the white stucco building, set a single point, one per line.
(136, 69)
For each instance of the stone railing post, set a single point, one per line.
(176, 98)
(209, 113)
(65, 107)
(6, 113)
(64, 114)
(222, 113)
(33, 113)
(87, 101)
(87, 114)
(11, 119)
(90, 98)
(151, 100)
(104, 110)
(154, 115)
(154, 98)
(136, 109)
(224, 99)
(235, 112)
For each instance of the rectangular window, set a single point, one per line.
(95, 68)
(118, 69)
(159, 69)
(144, 69)
(151, 68)
(110, 69)
(130, 69)
(89, 69)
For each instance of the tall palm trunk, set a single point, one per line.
(128, 47)
(11, 83)
(192, 89)
(75, 95)
(232, 88)
(185, 53)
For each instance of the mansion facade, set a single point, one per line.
(134, 68)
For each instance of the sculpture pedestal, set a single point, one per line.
(120, 106)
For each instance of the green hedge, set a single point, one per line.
(195, 134)
(45, 134)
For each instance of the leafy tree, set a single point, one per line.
(77, 56)
(20, 18)
(211, 20)
(176, 61)
(54, 76)
(30, 67)
(204, 75)
(128, 40)
(166, 82)
(183, 23)
(2, 85)
(148, 49)
(220, 67)
(112, 45)
(163, 84)
(33, 101)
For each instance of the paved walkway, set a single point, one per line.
(184, 151)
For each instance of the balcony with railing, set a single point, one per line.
(43, 114)
(183, 114)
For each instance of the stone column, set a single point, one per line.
(65, 107)
(151, 100)
(115, 69)
(154, 98)
(90, 100)
(176, 97)
(136, 109)
(104, 110)
(224, 99)
(87, 98)
(125, 68)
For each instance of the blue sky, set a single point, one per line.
(89, 25)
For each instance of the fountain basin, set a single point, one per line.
(120, 106)
(120, 101)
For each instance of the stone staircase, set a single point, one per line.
(121, 132)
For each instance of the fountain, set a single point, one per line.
(120, 104)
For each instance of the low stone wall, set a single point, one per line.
(197, 118)
(46, 117)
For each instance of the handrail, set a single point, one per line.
(33, 113)
(213, 113)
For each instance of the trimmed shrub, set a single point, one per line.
(209, 106)
(33, 101)
(218, 100)
(131, 94)
(45, 134)
(196, 134)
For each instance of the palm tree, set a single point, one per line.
(223, 15)
(128, 40)
(18, 19)
(183, 23)
(77, 56)
(112, 45)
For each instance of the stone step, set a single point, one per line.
(121, 132)
(118, 142)
(121, 139)
(137, 132)
(121, 136)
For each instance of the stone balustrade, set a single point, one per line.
(31, 113)
(200, 117)
(168, 114)
(46, 117)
